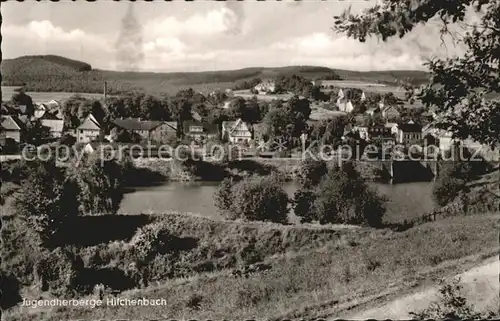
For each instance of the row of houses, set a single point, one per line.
(160, 131)
(409, 133)
(15, 121)
(386, 111)
(402, 133)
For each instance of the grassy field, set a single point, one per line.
(321, 279)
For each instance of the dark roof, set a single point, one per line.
(412, 128)
(12, 123)
(136, 124)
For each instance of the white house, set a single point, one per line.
(55, 127)
(444, 137)
(340, 93)
(390, 112)
(237, 131)
(266, 86)
(345, 105)
(39, 111)
(409, 133)
(89, 130)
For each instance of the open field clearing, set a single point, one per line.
(320, 281)
(43, 97)
(321, 113)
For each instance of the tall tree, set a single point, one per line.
(181, 109)
(464, 89)
(287, 121)
(21, 99)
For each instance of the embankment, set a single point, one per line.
(288, 167)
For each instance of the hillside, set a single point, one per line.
(54, 73)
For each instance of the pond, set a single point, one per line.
(405, 200)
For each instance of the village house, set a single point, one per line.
(345, 105)
(12, 128)
(237, 132)
(380, 133)
(39, 111)
(148, 129)
(54, 126)
(266, 87)
(409, 134)
(373, 111)
(444, 138)
(89, 130)
(390, 112)
(362, 130)
(199, 131)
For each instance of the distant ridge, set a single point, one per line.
(56, 73)
(58, 60)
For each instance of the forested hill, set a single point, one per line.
(55, 73)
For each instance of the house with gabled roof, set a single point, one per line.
(237, 132)
(12, 127)
(345, 105)
(89, 130)
(54, 126)
(390, 112)
(265, 87)
(199, 131)
(147, 129)
(409, 133)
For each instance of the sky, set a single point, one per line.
(207, 35)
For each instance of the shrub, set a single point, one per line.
(446, 189)
(150, 240)
(343, 197)
(101, 185)
(311, 172)
(223, 197)
(67, 140)
(47, 200)
(452, 306)
(20, 250)
(303, 201)
(57, 272)
(260, 199)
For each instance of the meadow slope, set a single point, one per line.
(322, 280)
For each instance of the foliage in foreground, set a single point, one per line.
(46, 201)
(350, 262)
(464, 88)
(452, 306)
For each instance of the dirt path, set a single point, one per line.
(480, 285)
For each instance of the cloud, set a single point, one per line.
(234, 17)
(201, 24)
(42, 37)
(45, 31)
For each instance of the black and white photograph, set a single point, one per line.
(250, 160)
